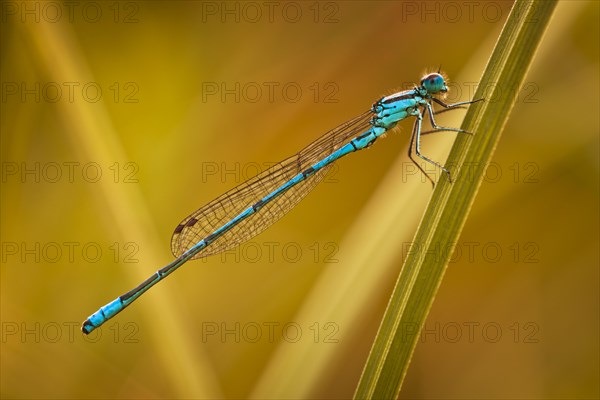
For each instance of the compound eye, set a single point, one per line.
(434, 83)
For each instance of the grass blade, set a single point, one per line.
(446, 214)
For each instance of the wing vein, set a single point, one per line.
(225, 207)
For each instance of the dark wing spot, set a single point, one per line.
(191, 222)
(179, 228)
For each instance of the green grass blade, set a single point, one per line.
(445, 216)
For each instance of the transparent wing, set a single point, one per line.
(215, 214)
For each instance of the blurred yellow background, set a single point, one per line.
(121, 118)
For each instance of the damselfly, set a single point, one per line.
(248, 209)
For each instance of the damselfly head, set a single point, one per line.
(434, 83)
